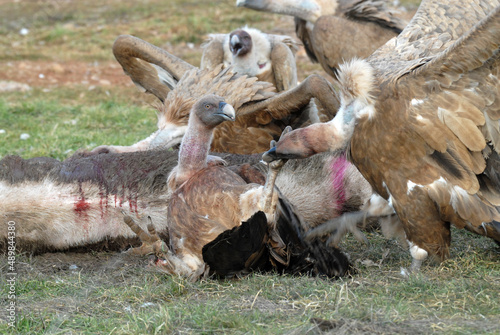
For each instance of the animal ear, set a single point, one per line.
(151, 68)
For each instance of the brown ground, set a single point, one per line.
(51, 74)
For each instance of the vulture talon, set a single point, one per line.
(151, 242)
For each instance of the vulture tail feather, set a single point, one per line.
(238, 250)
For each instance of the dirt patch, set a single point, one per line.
(53, 74)
(103, 263)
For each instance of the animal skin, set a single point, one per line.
(78, 203)
(420, 119)
(261, 113)
(335, 31)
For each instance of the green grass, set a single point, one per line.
(110, 293)
(59, 122)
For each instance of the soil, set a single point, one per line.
(53, 74)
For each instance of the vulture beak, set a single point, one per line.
(167, 137)
(271, 155)
(235, 45)
(226, 111)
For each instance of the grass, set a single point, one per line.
(109, 293)
(59, 122)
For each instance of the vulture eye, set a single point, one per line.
(207, 106)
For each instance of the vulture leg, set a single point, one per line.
(272, 174)
(151, 242)
(296, 99)
(166, 260)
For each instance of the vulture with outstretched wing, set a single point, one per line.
(261, 113)
(334, 31)
(420, 119)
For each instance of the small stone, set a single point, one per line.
(24, 136)
(24, 31)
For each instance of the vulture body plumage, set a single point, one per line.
(334, 31)
(261, 113)
(207, 199)
(420, 119)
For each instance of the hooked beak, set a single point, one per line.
(235, 45)
(226, 111)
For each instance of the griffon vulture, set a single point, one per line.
(334, 31)
(249, 51)
(261, 113)
(420, 120)
(268, 57)
(208, 199)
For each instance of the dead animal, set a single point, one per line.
(218, 219)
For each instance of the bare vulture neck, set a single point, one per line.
(194, 147)
(308, 10)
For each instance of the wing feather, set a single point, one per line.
(443, 68)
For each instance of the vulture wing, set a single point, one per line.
(214, 52)
(375, 11)
(283, 65)
(151, 68)
(436, 122)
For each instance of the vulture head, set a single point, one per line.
(207, 113)
(240, 42)
(211, 110)
(309, 10)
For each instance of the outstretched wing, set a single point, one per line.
(434, 28)
(151, 68)
(374, 11)
(449, 98)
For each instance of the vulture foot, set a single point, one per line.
(419, 256)
(152, 244)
